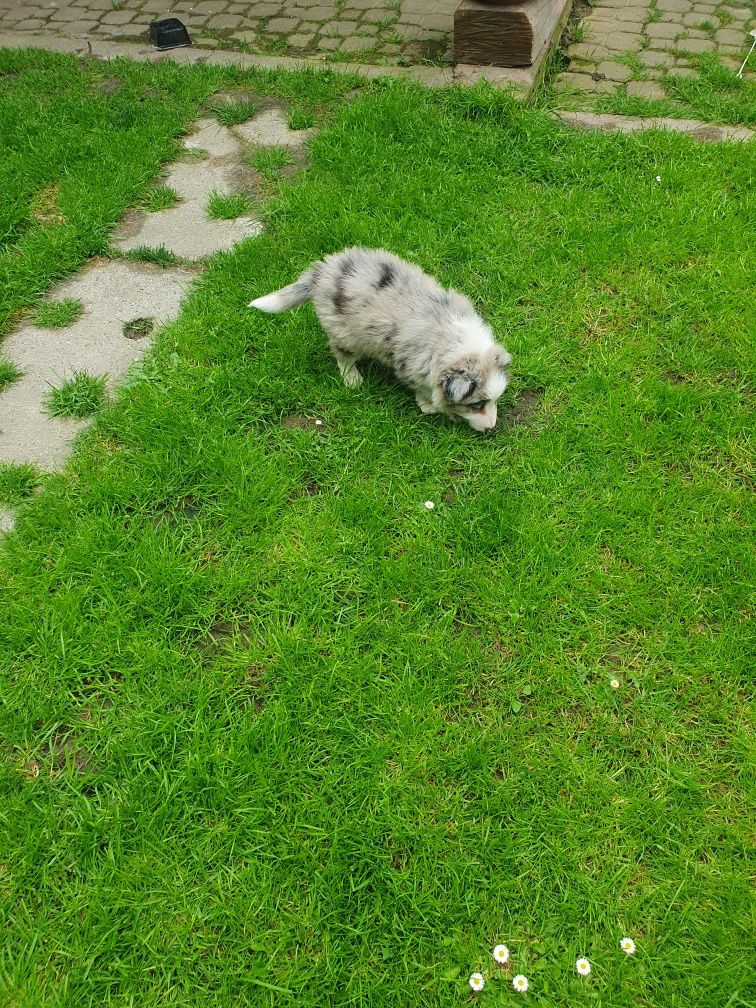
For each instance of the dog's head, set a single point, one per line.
(471, 386)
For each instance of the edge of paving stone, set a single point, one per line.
(521, 80)
(694, 128)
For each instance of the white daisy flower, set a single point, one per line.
(429, 504)
(614, 683)
(477, 982)
(628, 946)
(658, 178)
(583, 966)
(501, 954)
(520, 983)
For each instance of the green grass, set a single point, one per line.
(276, 734)
(58, 314)
(17, 482)
(301, 117)
(9, 373)
(227, 207)
(81, 396)
(269, 161)
(230, 113)
(161, 198)
(160, 256)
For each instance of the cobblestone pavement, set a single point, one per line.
(380, 31)
(632, 44)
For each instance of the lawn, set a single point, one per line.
(276, 734)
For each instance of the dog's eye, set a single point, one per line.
(477, 407)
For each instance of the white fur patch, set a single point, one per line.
(476, 336)
(269, 303)
(496, 385)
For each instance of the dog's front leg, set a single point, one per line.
(425, 405)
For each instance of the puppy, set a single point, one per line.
(374, 305)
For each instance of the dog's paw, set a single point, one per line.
(352, 378)
(426, 407)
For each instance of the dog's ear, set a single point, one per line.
(458, 384)
(503, 359)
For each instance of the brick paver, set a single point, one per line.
(631, 45)
(374, 31)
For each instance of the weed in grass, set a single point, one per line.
(230, 113)
(159, 256)
(269, 161)
(58, 314)
(161, 198)
(18, 480)
(78, 397)
(222, 206)
(9, 373)
(301, 118)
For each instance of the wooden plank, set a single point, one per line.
(502, 33)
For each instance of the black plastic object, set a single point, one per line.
(170, 33)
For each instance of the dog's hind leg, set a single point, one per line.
(347, 363)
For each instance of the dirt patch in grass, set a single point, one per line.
(301, 421)
(109, 85)
(221, 635)
(63, 751)
(45, 209)
(522, 409)
(138, 328)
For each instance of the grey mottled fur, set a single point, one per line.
(372, 304)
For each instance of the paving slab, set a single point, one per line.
(208, 135)
(185, 230)
(270, 129)
(631, 124)
(7, 519)
(113, 293)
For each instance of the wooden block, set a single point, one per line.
(501, 33)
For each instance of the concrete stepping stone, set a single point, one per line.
(113, 294)
(210, 136)
(186, 229)
(270, 129)
(7, 519)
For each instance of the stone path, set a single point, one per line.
(705, 132)
(632, 44)
(391, 31)
(116, 292)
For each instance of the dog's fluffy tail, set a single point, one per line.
(288, 297)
